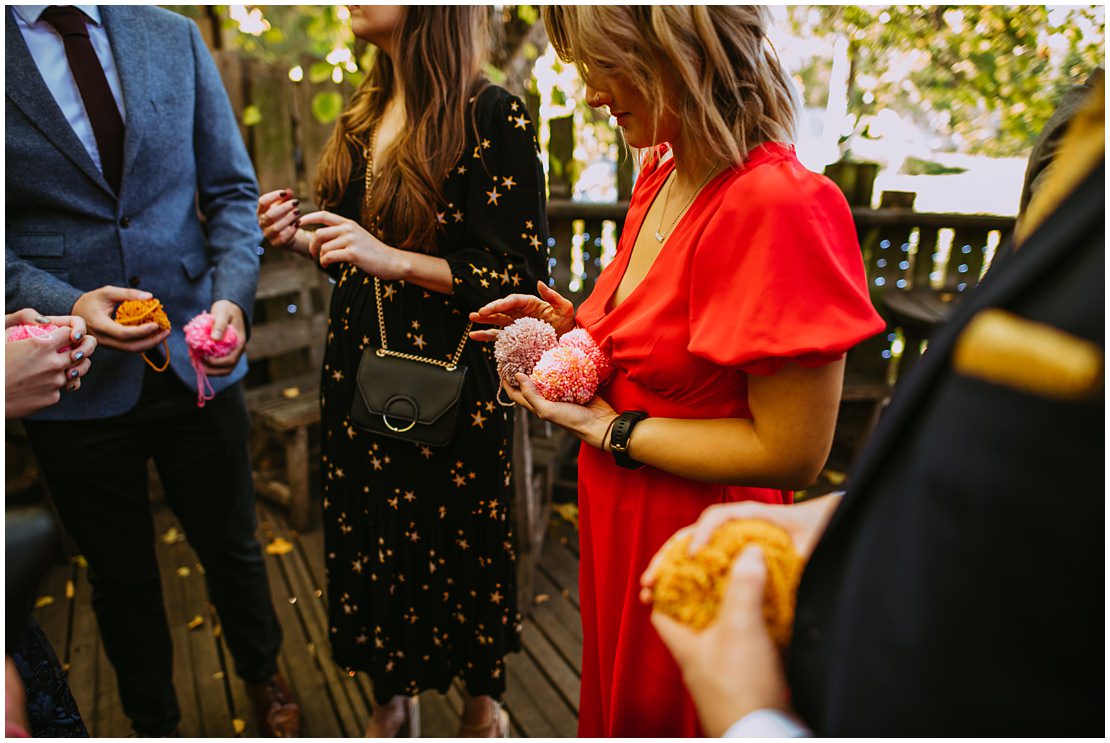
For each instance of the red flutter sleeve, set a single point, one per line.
(777, 274)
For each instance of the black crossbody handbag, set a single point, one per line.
(408, 397)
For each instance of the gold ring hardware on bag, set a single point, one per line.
(386, 413)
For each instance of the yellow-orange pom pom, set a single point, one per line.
(142, 311)
(690, 588)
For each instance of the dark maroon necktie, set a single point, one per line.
(100, 105)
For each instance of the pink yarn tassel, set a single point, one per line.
(198, 337)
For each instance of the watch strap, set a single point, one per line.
(622, 434)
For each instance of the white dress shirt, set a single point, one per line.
(49, 52)
(767, 723)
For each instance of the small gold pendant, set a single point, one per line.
(660, 236)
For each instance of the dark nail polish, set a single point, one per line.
(78, 336)
(73, 373)
(297, 212)
(72, 388)
(287, 193)
(296, 202)
(79, 355)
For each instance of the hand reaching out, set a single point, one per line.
(549, 306)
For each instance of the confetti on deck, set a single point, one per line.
(195, 622)
(44, 601)
(172, 536)
(183, 572)
(279, 547)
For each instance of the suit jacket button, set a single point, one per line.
(133, 281)
(125, 222)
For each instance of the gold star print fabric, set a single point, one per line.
(418, 539)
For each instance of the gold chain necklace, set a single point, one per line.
(659, 235)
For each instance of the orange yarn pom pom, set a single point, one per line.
(140, 312)
(690, 588)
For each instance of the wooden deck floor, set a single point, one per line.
(543, 680)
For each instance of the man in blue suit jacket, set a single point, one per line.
(174, 219)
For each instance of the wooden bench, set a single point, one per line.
(286, 408)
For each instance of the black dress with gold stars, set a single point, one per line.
(418, 540)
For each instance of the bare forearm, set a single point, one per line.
(728, 450)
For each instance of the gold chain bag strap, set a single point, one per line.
(402, 395)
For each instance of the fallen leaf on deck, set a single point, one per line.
(172, 536)
(81, 561)
(183, 572)
(70, 590)
(195, 622)
(279, 547)
(239, 726)
(835, 478)
(542, 598)
(569, 512)
(566, 593)
(44, 601)
(290, 392)
(218, 675)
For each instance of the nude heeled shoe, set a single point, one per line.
(409, 726)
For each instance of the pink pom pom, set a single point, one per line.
(565, 374)
(581, 339)
(36, 332)
(198, 337)
(519, 346)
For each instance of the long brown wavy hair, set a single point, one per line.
(440, 53)
(732, 92)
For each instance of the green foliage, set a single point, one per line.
(917, 166)
(988, 76)
(251, 115)
(327, 106)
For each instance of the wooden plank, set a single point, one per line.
(298, 612)
(539, 709)
(968, 249)
(279, 278)
(290, 334)
(271, 91)
(287, 414)
(560, 674)
(559, 621)
(307, 385)
(202, 654)
(173, 589)
(562, 567)
(84, 648)
(309, 586)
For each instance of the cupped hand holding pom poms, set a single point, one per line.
(690, 587)
(140, 312)
(202, 346)
(567, 369)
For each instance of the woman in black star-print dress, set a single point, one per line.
(418, 539)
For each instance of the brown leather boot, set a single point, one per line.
(279, 715)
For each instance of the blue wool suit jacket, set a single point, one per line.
(182, 227)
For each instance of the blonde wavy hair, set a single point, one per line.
(728, 89)
(440, 53)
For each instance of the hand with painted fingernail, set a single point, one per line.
(279, 216)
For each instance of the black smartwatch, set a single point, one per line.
(622, 434)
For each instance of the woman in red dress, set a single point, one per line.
(737, 287)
